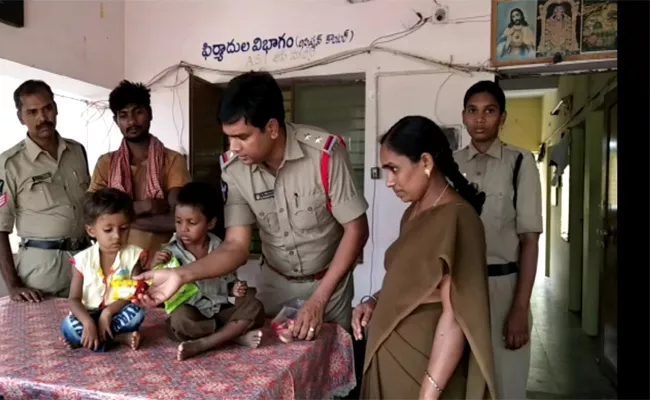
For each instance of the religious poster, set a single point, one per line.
(545, 31)
(558, 28)
(599, 26)
(516, 31)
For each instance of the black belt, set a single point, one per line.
(66, 244)
(502, 269)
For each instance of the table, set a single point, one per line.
(34, 363)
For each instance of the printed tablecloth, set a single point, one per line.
(34, 364)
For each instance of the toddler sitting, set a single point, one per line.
(100, 313)
(207, 320)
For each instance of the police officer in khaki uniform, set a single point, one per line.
(273, 176)
(512, 216)
(43, 179)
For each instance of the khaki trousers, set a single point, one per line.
(49, 271)
(274, 291)
(510, 366)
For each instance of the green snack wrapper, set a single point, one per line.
(184, 293)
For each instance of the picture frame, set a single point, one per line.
(453, 134)
(541, 31)
(12, 12)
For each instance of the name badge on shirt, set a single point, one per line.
(269, 194)
(41, 177)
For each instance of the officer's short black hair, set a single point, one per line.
(202, 196)
(129, 93)
(489, 87)
(107, 201)
(254, 96)
(31, 87)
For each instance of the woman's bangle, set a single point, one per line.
(365, 298)
(433, 381)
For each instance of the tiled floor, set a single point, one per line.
(564, 359)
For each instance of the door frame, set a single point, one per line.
(607, 368)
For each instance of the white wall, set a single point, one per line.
(79, 39)
(162, 33)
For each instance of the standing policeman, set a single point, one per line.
(43, 179)
(512, 216)
(295, 182)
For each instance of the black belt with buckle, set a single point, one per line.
(502, 269)
(66, 244)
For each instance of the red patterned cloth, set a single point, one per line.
(120, 171)
(35, 365)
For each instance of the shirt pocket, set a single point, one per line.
(498, 211)
(267, 216)
(42, 195)
(310, 212)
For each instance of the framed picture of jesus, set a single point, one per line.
(545, 31)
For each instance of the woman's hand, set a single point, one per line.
(361, 317)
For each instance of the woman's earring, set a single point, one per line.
(427, 172)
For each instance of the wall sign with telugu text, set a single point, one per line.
(281, 42)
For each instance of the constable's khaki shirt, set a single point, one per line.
(42, 195)
(299, 236)
(493, 172)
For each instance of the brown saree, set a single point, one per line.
(402, 327)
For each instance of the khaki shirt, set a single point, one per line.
(299, 235)
(174, 175)
(43, 196)
(493, 172)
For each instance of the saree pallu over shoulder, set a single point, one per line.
(444, 239)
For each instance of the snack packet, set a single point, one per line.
(283, 322)
(184, 293)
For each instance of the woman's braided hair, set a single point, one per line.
(415, 135)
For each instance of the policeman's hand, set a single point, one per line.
(22, 293)
(164, 284)
(310, 319)
(361, 317)
(515, 330)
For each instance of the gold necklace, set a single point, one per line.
(435, 203)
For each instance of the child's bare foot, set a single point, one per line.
(191, 348)
(130, 339)
(67, 344)
(250, 339)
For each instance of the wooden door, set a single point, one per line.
(609, 234)
(206, 137)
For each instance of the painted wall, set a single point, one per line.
(579, 276)
(523, 127)
(78, 39)
(160, 34)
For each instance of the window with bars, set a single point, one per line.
(338, 108)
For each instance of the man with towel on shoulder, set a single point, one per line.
(142, 167)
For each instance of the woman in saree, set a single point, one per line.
(429, 325)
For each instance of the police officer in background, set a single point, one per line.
(43, 179)
(312, 231)
(512, 216)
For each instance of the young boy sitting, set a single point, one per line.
(207, 320)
